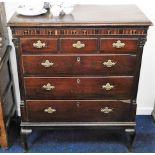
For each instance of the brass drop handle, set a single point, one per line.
(50, 110)
(118, 44)
(106, 110)
(39, 44)
(47, 63)
(78, 45)
(48, 87)
(107, 86)
(109, 63)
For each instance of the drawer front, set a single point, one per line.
(79, 46)
(39, 45)
(78, 88)
(79, 65)
(119, 45)
(78, 111)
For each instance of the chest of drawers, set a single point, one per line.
(80, 69)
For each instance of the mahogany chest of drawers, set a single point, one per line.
(80, 69)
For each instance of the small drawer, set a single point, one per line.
(78, 111)
(82, 46)
(79, 65)
(39, 45)
(79, 88)
(119, 45)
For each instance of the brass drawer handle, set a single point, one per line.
(106, 110)
(108, 86)
(39, 44)
(50, 110)
(47, 64)
(78, 45)
(118, 44)
(48, 87)
(109, 63)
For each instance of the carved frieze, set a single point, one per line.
(76, 31)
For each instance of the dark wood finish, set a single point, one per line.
(131, 133)
(90, 46)
(79, 87)
(24, 133)
(131, 45)
(88, 15)
(50, 45)
(79, 73)
(79, 65)
(71, 111)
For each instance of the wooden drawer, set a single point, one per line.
(39, 45)
(79, 65)
(119, 45)
(78, 88)
(79, 45)
(78, 111)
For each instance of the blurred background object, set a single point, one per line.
(7, 97)
(153, 113)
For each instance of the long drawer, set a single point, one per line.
(63, 65)
(78, 88)
(78, 111)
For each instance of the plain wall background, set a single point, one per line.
(146, 90)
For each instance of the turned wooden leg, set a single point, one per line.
(131, 133)
(24, 133)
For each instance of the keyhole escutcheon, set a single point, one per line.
(78, 59)
(78, 81)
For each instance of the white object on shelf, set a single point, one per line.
(56, 10)
(67, 7)
(30, 11)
